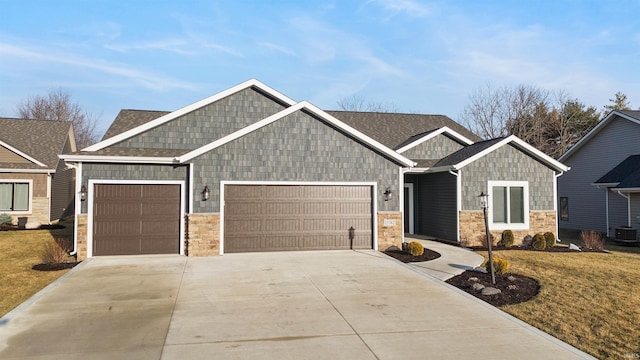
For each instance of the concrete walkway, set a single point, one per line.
(453, 260)
(281, 305)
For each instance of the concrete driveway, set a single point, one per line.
(286, 305)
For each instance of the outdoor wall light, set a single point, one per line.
(387, 194)
(206, 193)
(83, 193)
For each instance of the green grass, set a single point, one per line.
(589, 300)
(19, 251)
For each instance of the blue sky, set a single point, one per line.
(422, 56)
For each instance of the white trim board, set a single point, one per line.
(189, 108)
(303, 105)
(21, 154)
(431, 135)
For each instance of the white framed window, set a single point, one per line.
(15, 196)
(509, 205)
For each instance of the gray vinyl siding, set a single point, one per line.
(618, 207)
(507, 163)
(635, 211)
(614, 143)
(207, 124)
(435, 206)
(435, 148)
(101, 171)
(297, 148)
(62, 192)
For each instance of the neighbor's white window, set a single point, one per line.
(509, 207)
(14, 196)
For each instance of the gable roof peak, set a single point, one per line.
(252, 83)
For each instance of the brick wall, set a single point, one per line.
(82, 237)
(472, 227)
(202, 237)
(389, 234)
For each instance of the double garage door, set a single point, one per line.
(292, 217)
(132, 219)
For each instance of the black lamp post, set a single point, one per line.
(484, 203)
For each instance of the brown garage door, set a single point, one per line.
(136, 219)
(287, 217)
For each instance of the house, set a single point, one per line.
(602, 191)
(35, 185)
(249, 169)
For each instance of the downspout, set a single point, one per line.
(49, 197)
(458, 202)
(555, 202)
(76, 205)
(628, 207)
(606, 208)
(401, 198)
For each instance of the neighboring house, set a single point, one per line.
(602, 190)
(249, 169)
(35, 185)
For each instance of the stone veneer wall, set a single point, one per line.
(472, 227)
(390, 235)
(82, 237)
(202, 234)
(39, 211)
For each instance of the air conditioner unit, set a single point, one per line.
(626, 234)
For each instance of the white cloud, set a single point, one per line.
(48, 57)
(278, 48)
(169, 45)
(408, 7)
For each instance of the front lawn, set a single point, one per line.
(19, 251)
(589, 300)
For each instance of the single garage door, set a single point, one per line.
(293, 217)
(134, 219)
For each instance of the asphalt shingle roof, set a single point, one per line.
(466, 152)
(393, 129)
(42, 140)
(627, 173)
(128, 119)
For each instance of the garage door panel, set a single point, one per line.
(133, 219)
(296, 217)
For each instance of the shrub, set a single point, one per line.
(55, 252)
(500, 266)
(550, 239)
(539, 242)
(507, 239)
(5, 219)
(415, 248)
(592, 240)
(483, 240)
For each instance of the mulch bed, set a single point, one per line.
(553, 249)
(6, 227)
(55, 267)
(407, 258)
(514, 288)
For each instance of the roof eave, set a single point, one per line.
(119, 159)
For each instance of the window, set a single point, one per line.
(564, 208)
(509, 204)
(14, 196)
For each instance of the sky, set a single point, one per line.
(419, 56)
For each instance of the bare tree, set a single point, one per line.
(358, 103)
(551, 122)
(58, 106)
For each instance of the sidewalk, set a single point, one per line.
(453, 260)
